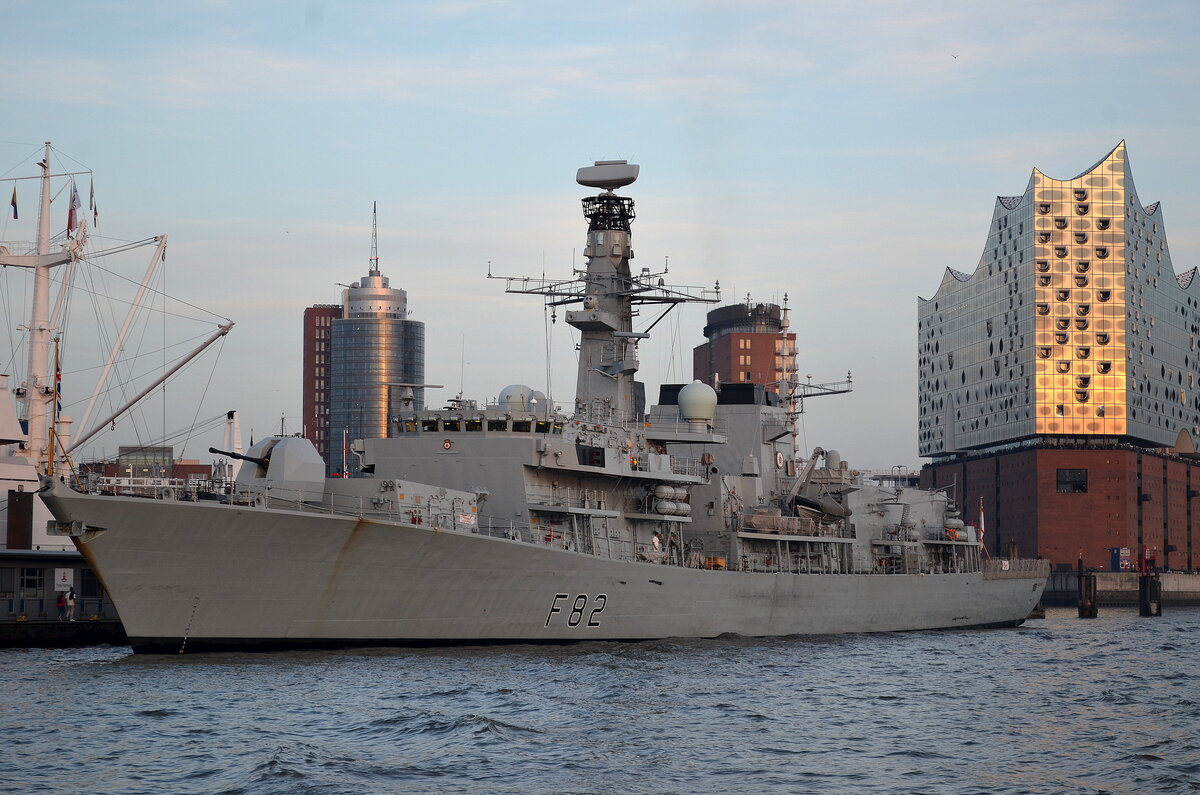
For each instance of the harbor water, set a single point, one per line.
(1058, 705)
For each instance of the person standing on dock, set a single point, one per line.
(61, 603)
(71, 604)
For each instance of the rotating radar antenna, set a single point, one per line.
(608, 211)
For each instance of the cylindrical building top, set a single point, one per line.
(372, 297)
(745, 318)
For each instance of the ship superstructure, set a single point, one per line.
(516, 522)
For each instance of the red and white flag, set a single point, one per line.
(75, 205)
(981, 519)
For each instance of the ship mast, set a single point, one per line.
(608, 291)
(36, 392)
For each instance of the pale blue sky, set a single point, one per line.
(844, 154)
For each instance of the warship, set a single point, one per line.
(517, 522)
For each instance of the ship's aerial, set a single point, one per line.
(514, 521)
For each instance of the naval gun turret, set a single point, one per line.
(288, 467)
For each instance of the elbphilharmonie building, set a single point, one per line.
(1073, 335)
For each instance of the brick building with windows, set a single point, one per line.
(1057, 382)
(318, 333)
(747, 344)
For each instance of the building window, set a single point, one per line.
(1072, 481)
(33, 583)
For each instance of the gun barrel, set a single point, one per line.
(262, 462)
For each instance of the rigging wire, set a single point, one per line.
(203, 394)
(151, 289)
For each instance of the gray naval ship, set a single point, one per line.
(514, 522)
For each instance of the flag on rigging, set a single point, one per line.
(57, 384)
(75, 205)
(14, 202)
(92, 202)
(981, 520)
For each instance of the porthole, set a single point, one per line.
(1060, 251)
(1083, 381)
(1080, 238)
(1103, 295)
(1083, 309)
(1060, 223)
(1061, 338)
(1043, 266)
(1062, 323)
(1102, 252)
(1081, 281)
(1043, 281)
(1062, 295)
(1063, 367)
(1103, 223)
(1103, 338)
(1043, 309)
(1043, 237)
(1081, 395)
(1083, 353)
(1103, 367)
(1043, 208)
(1082, 267)
(1081, 209)
(1043, 352)
(1081, 323)
(1080, 195)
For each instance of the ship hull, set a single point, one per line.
(201, 576)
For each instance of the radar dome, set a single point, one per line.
(697, 402)
(515, 397)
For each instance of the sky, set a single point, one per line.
(841, 154)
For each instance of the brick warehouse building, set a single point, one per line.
(1058, 381)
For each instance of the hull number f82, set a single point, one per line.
(576, 611)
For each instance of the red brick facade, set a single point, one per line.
(1038, 499)
(744, 358)
(318, 328)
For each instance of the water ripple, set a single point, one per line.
(1059, 705)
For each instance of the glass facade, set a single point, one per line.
(1074, 323)
(366, 354)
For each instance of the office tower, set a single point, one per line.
(318, 334)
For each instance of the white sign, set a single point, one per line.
(64, 579)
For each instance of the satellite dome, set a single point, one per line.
(515, 397)
(697, 402)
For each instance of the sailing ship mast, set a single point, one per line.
(36, 393)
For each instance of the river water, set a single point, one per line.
(1058, 705)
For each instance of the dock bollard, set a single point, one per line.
(1087, 591)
